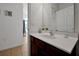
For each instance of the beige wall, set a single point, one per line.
(11, 28)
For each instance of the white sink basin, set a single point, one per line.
(55, 36)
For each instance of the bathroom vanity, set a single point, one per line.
(47, 18)
(47, 46)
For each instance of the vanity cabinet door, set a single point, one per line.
(53, 51)
(33, 50)
(36, 46)
(33, 47)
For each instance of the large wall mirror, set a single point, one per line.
(65, 19)
(58, 16)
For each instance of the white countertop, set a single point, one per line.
(65, 44)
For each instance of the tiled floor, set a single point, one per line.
(22, 50)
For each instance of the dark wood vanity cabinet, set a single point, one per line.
(41, 48)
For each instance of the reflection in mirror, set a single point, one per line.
(65, 19)
(58, 17)
(48, 16)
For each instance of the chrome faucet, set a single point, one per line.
(51, 33)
